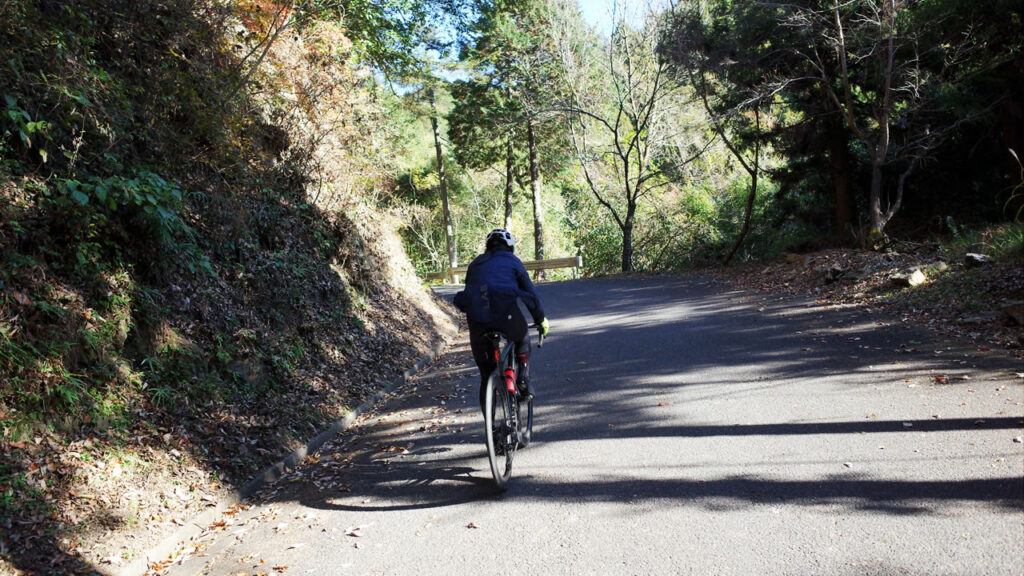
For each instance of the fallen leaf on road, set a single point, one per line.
(281, 568)
(664, 403)
(1018, 440)
(354, 532)
(472, 525)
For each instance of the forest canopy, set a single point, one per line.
(715, 129)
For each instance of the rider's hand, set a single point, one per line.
(544, 327)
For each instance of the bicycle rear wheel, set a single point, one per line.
(498, 429)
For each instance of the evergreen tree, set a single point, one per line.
(508, 99)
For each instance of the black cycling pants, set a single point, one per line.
(516, 329)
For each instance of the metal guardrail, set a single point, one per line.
(549, 264)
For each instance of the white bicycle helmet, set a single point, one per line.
(502, 234)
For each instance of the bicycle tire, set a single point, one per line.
(501, 445)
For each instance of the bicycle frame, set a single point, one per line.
(506, 360)
(509, 366)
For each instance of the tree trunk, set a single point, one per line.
(746, 216)
(509, 182)
(627, 240)
(538, 222)
(879, 218)
(838, 169)
(443, 183)
(875, 205)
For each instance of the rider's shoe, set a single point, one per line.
(525, 390)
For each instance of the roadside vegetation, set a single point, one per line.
(199, 272)
(215, 215)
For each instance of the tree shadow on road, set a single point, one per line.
(441, 472)
(601, 388)
(382, 467)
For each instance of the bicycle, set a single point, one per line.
(505, 427)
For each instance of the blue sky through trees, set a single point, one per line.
(599, 13)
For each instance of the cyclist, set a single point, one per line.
(495, 281)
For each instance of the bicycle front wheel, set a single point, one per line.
(499, 430)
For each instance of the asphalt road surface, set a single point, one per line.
(680, 429)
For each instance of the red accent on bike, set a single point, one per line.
(510, 380)
(497, 356)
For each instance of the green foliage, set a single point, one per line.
(19, 496)
(482, 122)
(26, 128)
(957, 55)
(98, 215)
(392, 35)
(596, 237)
(176, 378)
(146, 194)
(241, 367)
(66, 363)
(1001, 241)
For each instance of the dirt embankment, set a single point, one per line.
(962, 300)
(200, 265)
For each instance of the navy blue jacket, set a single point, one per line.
(494, 280)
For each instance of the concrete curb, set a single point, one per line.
(203, 520)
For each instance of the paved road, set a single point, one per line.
(682, 429)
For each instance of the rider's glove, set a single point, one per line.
(544, 327)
